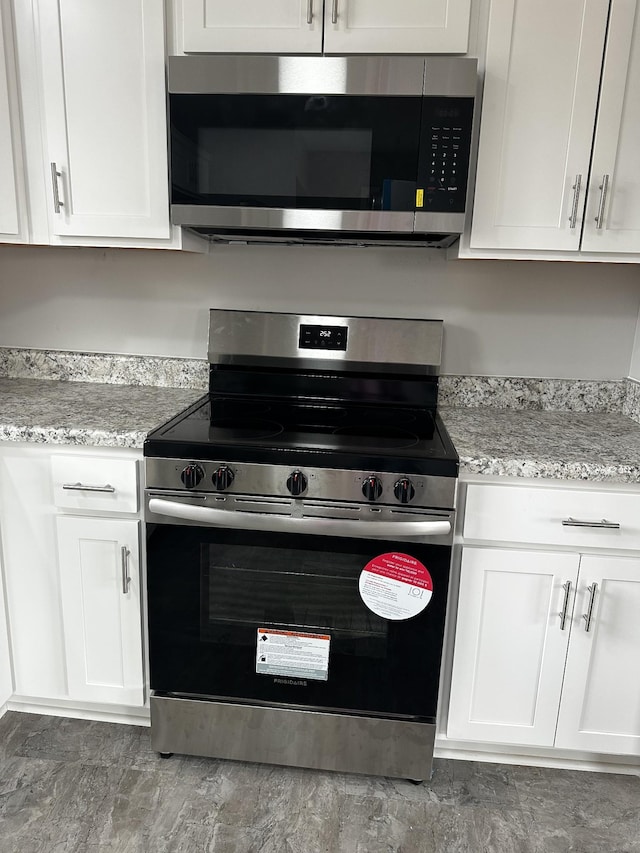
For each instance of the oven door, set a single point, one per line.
(268, 616)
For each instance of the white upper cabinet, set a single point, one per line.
(12, 221)
(542, 76)
(612, 222)
(296, 26)
(252, 26)
(403, 26)
(103, 97)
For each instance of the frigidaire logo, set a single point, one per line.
(290, 681)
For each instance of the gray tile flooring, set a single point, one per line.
(70, 786)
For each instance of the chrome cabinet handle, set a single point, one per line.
(334, 12)
(287, 524)
(55, 174)
(126, 579)
(309, 11)
(565, 605)
(80, 487)
(589, 614)
(576, 196)
(604, 187)
(600, 525)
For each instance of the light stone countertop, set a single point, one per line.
(88, 413)
(596, 446)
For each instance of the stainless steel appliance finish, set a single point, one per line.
(296, 737)
(253, 479)
(289, 516)
(250, 533)
(339, 218)
(376, 344)
(325, 75)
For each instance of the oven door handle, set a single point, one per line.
(287, 524)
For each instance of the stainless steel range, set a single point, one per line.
(299, 522)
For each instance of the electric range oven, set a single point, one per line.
(299, 522)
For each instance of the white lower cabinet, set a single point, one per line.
(547, 642)
(510, 646)
(68, 554)
(600, 706)
(100, 589)
(6, 681)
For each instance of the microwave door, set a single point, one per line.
(292, 162)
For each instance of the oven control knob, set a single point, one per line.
(192, 475)
(222, 478)
(404, 490)
(297, 483)
(372, 488)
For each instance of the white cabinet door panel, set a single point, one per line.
(617, 140)
(102, 622)
(6, 681)
(540, 96)
(600, 709)
(252, 26)
(403, 26)
(12, 227)
(510, 648)
(105, 110)
(31, 574)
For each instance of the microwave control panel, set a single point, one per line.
(444, 156)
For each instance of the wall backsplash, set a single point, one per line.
(501, 317)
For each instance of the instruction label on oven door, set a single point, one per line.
(293, 654)
(395, 586)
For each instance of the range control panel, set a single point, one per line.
(323, 337)
(444, 155)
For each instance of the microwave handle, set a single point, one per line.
(287, 524)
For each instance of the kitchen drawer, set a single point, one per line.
(95, 483)
(535, 515)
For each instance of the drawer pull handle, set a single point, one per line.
(565, 604)
(81, 487)
(126, 578)
(589, 614)
(601, 525)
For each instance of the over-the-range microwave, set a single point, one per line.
(321, 149)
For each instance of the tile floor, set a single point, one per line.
(72, 786)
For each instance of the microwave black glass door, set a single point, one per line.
(339, 152)
(212, 591)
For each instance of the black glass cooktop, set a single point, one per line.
(282, 431)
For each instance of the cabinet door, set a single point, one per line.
(12, 226)
(100, 586)
(612, 223)
(510, 645)
(600, 709)
(405, 26)
(6, 681)
(540, 93)
(252, 26)
(103, 89)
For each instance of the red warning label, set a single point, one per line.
(395, 586)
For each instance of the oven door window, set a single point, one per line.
(295, 151)
(211, 590)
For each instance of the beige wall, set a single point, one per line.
(501, 317)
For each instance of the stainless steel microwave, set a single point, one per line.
(321, 149)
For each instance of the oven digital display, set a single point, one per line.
(323, 337)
